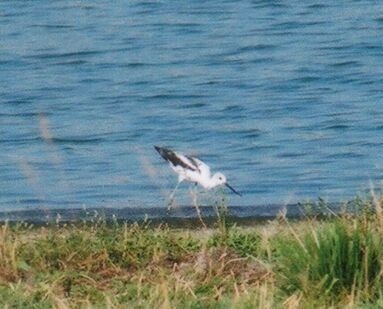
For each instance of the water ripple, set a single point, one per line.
(284, 98)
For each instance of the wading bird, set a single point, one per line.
(192, 169)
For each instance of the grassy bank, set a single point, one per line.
(332, 262)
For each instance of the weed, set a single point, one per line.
(332, 262)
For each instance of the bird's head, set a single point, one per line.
(220, 179)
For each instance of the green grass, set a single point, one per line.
(335, 261)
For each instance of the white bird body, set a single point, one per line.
(201, 175)
(192, 169)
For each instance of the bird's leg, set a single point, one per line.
(171, 197)
(194, 197)
(193, 193)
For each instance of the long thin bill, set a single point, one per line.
(232, 189)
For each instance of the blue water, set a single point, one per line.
(284, 97)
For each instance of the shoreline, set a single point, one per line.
(178, 215)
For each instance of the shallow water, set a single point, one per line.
(285, 98)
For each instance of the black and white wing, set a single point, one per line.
(202, 167)
(177, 159)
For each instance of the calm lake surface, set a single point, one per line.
(284, 97)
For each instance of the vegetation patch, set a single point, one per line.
(328, 261)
